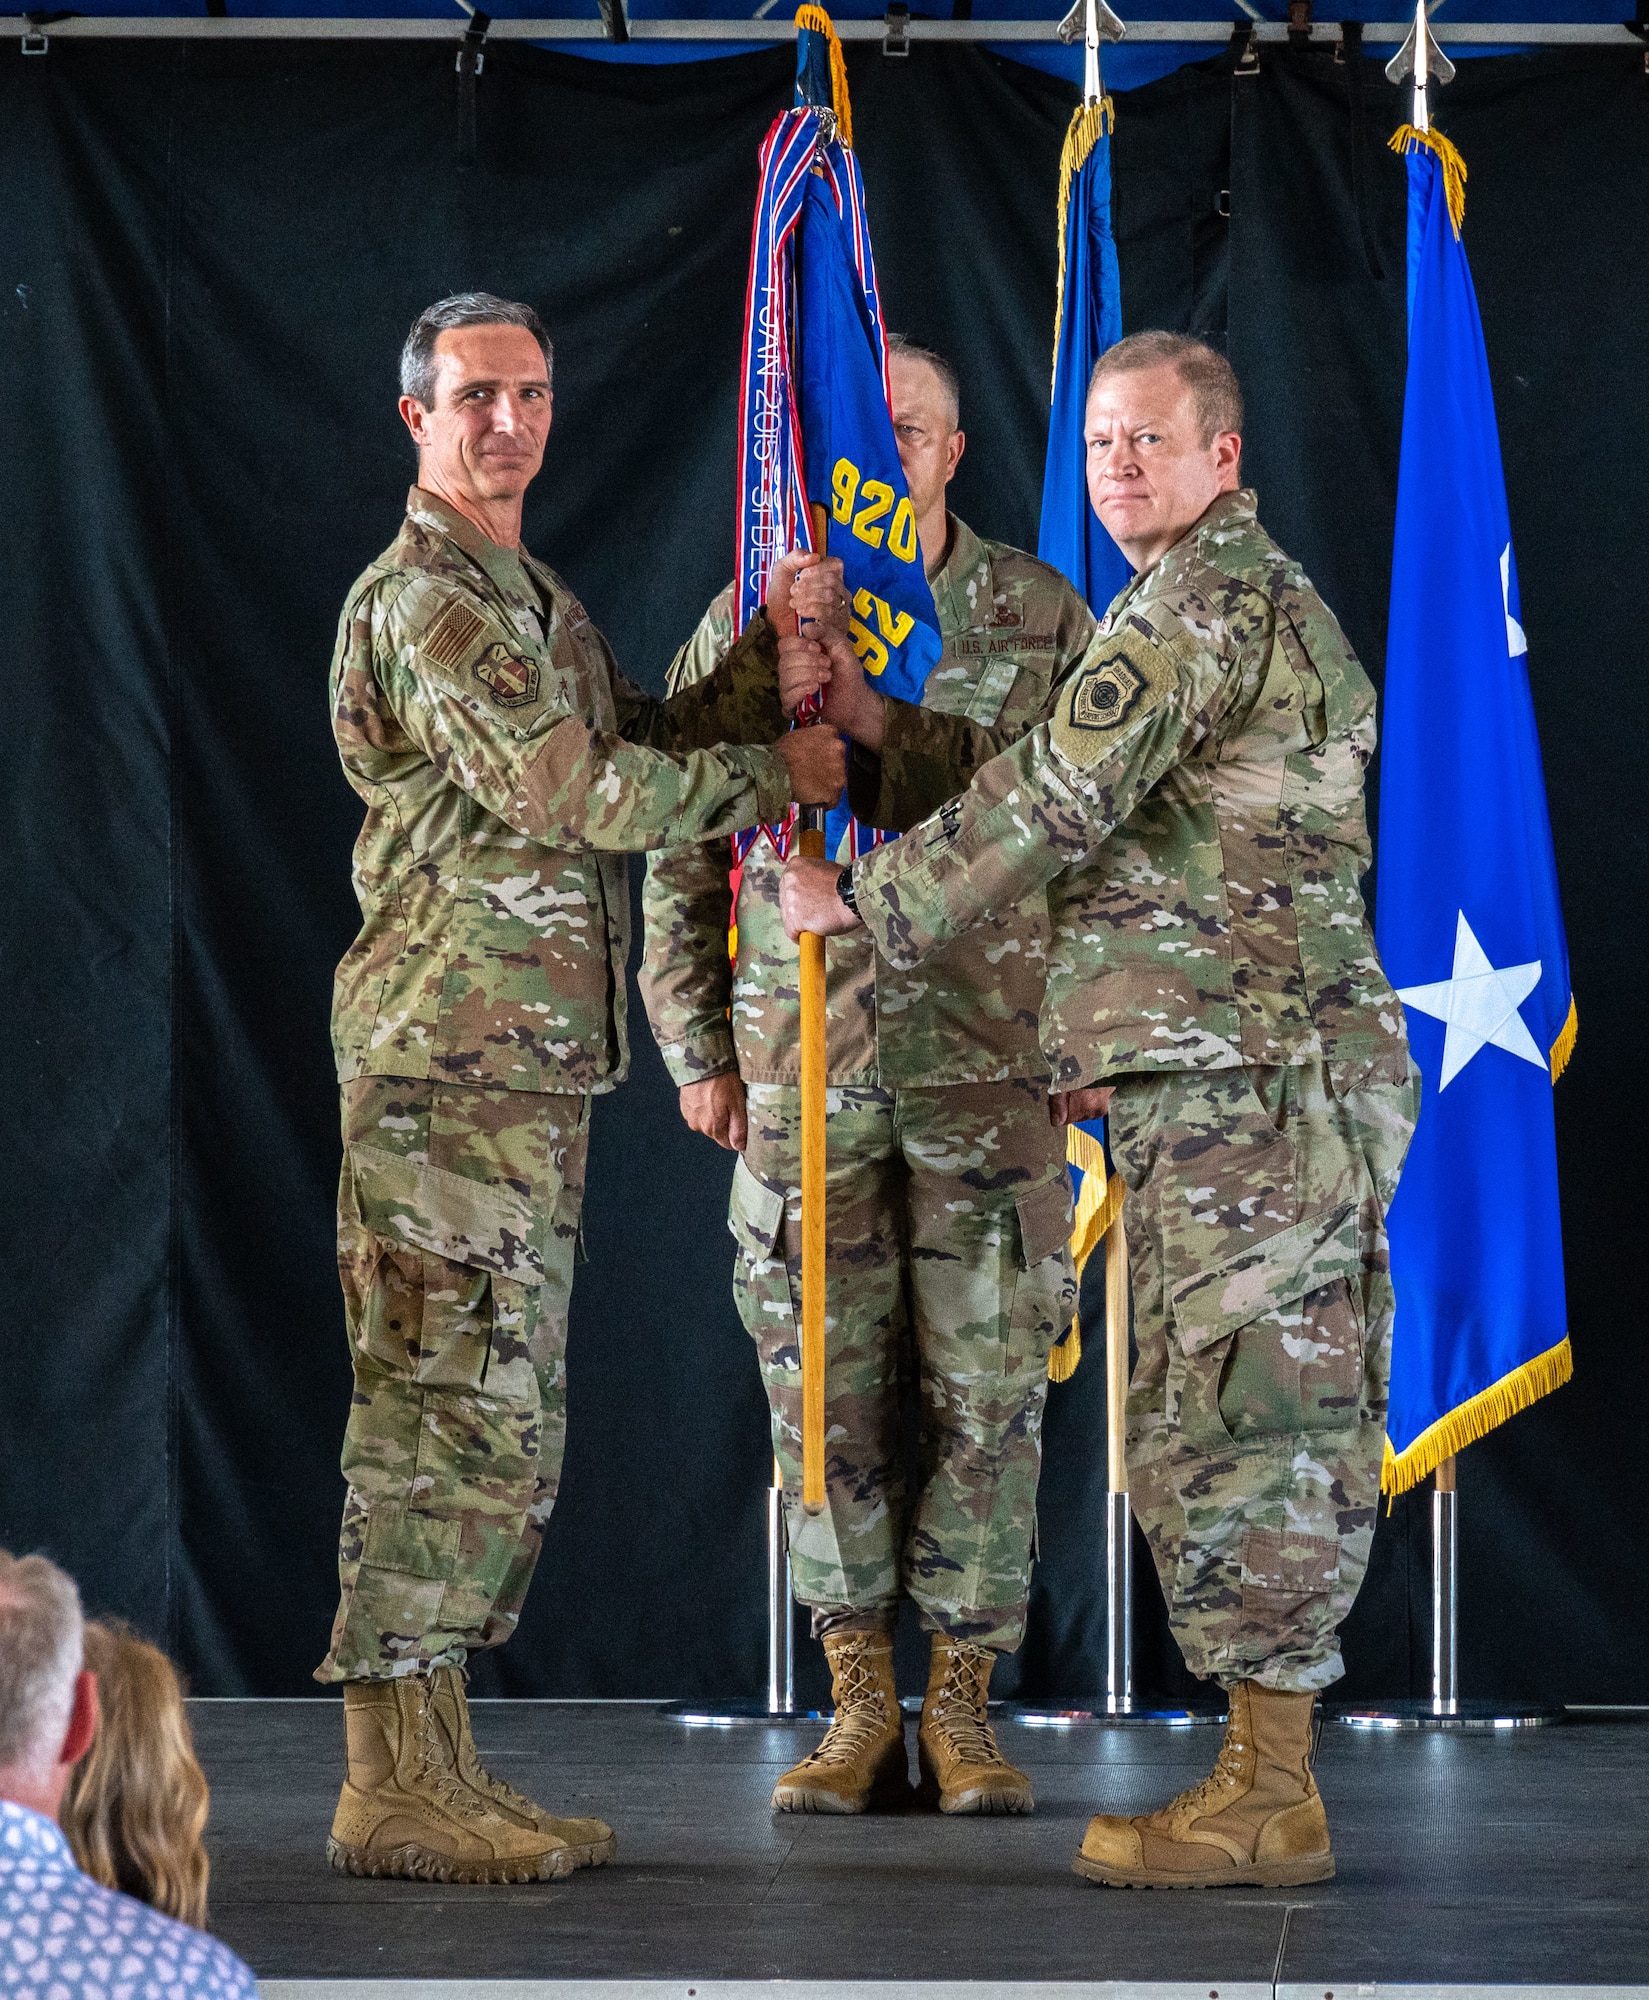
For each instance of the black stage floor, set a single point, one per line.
(1519, 1858)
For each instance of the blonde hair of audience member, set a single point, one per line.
(136, 1805)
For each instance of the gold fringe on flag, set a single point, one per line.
(1405, 140)
(1476, 1418)
(1564, 1046)
(1097, 1207)
(1089, 124)
(820, 22)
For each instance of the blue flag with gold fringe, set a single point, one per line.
(1088, 319)
(814, 422)
(851, 468)
(1469, 923)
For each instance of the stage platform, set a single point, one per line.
(1517, 1859)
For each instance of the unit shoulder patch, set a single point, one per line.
(464, 646)
(1104, 695)
(1126, 676)
(510, 681)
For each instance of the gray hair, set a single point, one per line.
(42, 1649)
(901, 349)
(1203, 369)
(462, 309)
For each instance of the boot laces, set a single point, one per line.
(860, 1715)
(432, 1764)
(477, 1776)
(1228, 1777)
(959, 1712)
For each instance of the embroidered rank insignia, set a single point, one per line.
(510, 682)
(1106, 693)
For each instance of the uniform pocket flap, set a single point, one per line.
(755, 1213)
(1044, 1220)
(1211, 1304)
(464, 1221)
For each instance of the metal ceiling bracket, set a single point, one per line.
(1073, 27)
(36, 42)
(471, 59)
(896, 24)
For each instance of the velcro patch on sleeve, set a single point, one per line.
(511, 681)
(453, 634)
(1126, 676)
(465, 647)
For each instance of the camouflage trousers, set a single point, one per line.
(457, 1224)
(1256, 1234)
(949, 1213)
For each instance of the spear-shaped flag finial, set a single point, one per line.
(1421, 58)
(1095, 23)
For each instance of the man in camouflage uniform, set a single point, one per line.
(1194, 810)
(507, 768)
(949, 1207)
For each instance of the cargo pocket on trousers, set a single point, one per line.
(1281, 1576)
(761, 1277)
(1044, 1221)
(399, 1538)
(1044, 1285)
(1269, 1342)
(455, 1260)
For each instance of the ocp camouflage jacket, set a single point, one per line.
(1013, 629)
(1194, 810)
(507, 767)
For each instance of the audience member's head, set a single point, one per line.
(48, 1702)
(135, 1807)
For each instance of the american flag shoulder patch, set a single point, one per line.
(450, 641)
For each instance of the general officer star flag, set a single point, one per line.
(814, 420)
(1469, 923)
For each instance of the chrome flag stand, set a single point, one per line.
(1446, 1709)
(1121, 1706)
(779, 1709)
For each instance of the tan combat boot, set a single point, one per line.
(405, 1811)
(591, 1842)
(1258, 1818)
(962, 1769)
(862, 1760)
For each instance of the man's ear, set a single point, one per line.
(958, 445)
(83, 1720)
(416, 419)
(1228, 457)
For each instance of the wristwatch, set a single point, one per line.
(844, 890)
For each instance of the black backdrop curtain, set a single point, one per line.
(210, 256)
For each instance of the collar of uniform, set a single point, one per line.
(1229, 510)
(1226, 511)
(967, 562)
(503, 567)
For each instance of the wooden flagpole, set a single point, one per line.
(812, 843)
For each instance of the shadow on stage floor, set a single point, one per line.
(1519, 1859)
